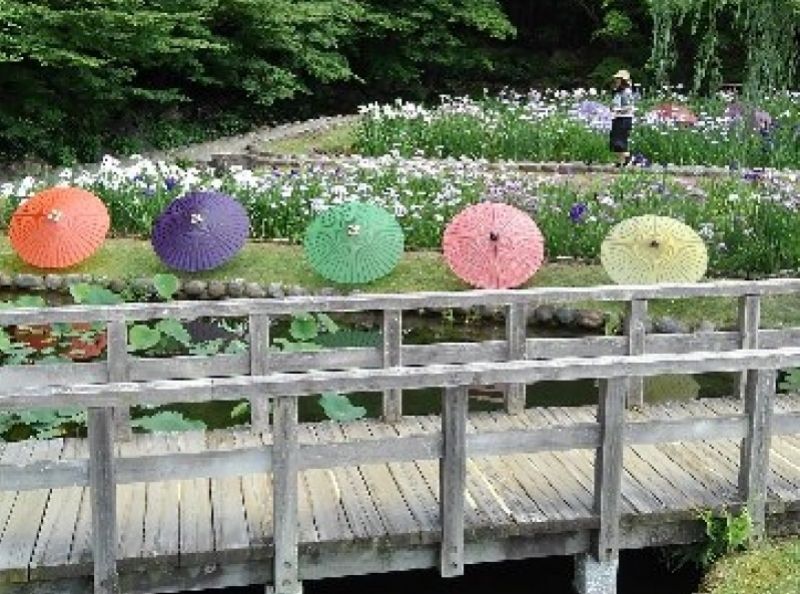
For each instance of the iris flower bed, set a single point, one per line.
(750, 221)
(568, 126)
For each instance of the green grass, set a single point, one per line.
(771, 569)
(418, 271)
(335, 140)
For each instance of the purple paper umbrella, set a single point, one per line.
(200, 231)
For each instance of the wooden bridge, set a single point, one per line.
(284, 501)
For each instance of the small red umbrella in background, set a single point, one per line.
(58, 227)
(673, 112)
(493, 246)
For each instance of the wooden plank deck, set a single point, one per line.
(46, 534)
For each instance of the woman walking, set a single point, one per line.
(622, 114)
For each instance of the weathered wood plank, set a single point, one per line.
(57, 530)
(529, 491)
(636, 332)
(285, 495)
(325, 497)
(18, 537)
(162, 512)
(409, 481)
(392, 357)
(221, 365)
(453, 478)
(754, 467)
(103, 493)
(749, 322)
(258, 332)
(364, 518)
(516, 333)
(118, 364)
(608, 468)
(567, 368)
(375, 302)
(540, 485)
(383, 489)
(227, 507)
(256, 495)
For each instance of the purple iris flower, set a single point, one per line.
(578, 212)
(170, 183)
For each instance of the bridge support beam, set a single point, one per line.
(595, 577)
(596, 571)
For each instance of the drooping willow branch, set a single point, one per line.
(769, 31)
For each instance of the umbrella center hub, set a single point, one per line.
(353, 230)
(196, 218)
(654, 243)
(494, 236)
(55, 215)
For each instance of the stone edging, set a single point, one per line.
(553, 316)
(259, 159)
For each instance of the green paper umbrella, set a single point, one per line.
(354, 243)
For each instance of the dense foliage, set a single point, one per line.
(79, 78)
(750, 221)
(74, 75)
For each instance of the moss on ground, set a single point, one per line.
(418, 271)
(773, 568)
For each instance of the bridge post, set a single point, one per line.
(749, 321)
(392, 357)
(285, 451)
(596, 571)
(635, 319)
(516, 334)
(453, 480)
(754, 454)
(258, 330)
(118, 371)
(103, 493)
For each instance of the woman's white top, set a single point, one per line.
(622, 103)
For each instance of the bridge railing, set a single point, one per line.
(123, 381)
(120, 365)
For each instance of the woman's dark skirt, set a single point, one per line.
(620, 132)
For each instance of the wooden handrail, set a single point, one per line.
(375, 302)
(366, 380)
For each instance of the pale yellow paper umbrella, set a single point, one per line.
(651, 249)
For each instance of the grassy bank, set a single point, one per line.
(418, 271)
(336, 140)
(771, 569)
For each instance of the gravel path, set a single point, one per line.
(203, 152)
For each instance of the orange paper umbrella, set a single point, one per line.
(58, 227)
(673, 112)
(493, 246)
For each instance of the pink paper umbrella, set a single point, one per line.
(493, 246)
